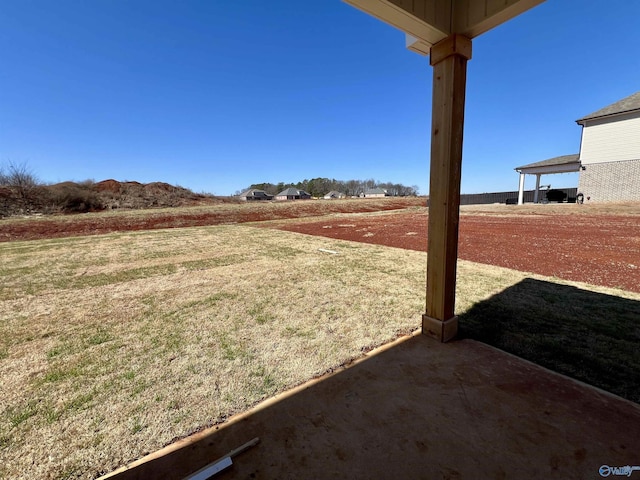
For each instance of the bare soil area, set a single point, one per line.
(600, 249)
(34, 228)
(599, 245)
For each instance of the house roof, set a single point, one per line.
(288, 192)
(375, 191)
(292, 192)
(252, 192)
(627, 104)
(562, 160)
(334, 193)
(562, 164)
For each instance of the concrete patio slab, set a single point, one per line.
(417, 408)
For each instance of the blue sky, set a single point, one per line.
(216, 95)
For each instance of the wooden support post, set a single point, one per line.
(449, 60)
(536, 195)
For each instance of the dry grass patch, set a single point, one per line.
(113, 346)
(629, 208)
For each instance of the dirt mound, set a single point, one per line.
(144, 190)
(161, 187)
(135, 195)
(64, 185)
(108, 186)
(89, 196)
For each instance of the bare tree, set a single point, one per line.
(19, 174)
(22, 183)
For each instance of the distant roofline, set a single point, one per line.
(625, 105)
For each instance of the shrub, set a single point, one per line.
(71, 197)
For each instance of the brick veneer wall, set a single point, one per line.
(611, 181)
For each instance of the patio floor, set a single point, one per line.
(417, 408)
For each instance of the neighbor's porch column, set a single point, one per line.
(521, 190)
(536, 194)
(449, 60)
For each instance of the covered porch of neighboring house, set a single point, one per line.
(562, 164)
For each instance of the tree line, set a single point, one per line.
(318, 187)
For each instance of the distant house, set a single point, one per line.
(609, 158)
(375, 193)
(293, 194)
(333, 194)
(255, 194)
(610, 152)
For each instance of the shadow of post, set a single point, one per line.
(592, 337)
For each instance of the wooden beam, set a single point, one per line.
(449, 60)
(428, 24)
(475, 17)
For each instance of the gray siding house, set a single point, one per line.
(610, 152)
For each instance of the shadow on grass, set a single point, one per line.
(592, 337)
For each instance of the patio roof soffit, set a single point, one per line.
(426, 22)
(562, 164)
(567, 168)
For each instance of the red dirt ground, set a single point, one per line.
(35, 228)
(596, 249)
